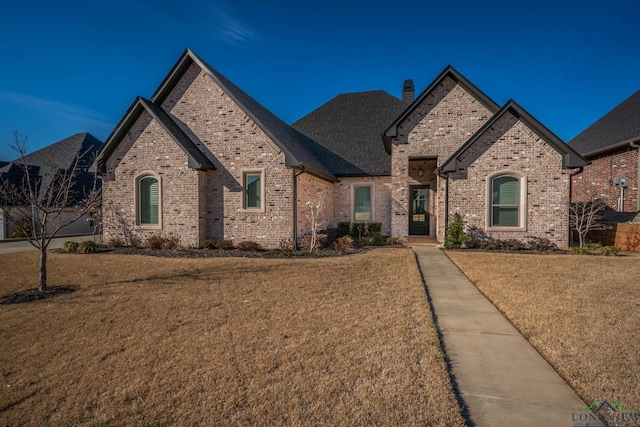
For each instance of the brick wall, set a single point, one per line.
(446, 118)
(343, 193)
(310, 189)
(198, 205)
(597, 179)
(509, 145)
(148, 148)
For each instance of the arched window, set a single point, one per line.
(505, 201)
(148, 200)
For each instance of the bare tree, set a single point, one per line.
(585, 216)
(40, 204)
(315, 205)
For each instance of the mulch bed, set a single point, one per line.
(31, 295)
(217, 253)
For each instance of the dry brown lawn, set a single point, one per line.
(582, 313)
(222, 341)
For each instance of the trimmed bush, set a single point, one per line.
(158, 242)
(394, 241)
(454, 236)
(88, 247)
(249, 246)
(344, 228)
(286, 247)
(70, 247)
(595, 249)
(374, 227)
(358, 229)
(116, 242)
(343, 244)
(226, 245)
(208, 244)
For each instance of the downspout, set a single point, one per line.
(636, 146)
(295, 206)
(571, 175)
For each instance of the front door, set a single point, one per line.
(419, 210)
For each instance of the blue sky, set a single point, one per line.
(75, 66)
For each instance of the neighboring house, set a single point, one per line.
(611, 146)
(201, 159)
(43, 165)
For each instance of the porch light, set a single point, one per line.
(420, 171)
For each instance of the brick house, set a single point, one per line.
(611, 145)
(201, 159)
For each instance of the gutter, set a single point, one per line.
(633, 144)
(295, 206)
(621, 144)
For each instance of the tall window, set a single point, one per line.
(253, 190)
(149, 201)
(362, 203)
(505, 205)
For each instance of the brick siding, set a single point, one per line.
(597, 179)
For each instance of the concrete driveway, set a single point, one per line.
(9, 246)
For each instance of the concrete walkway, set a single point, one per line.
(12, 245)
(499, 376)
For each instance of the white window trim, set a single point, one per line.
(263, 203)
(353, 199)
(136, 186)
(522, 207)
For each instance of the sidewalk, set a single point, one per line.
(9, 246)
(500, 377)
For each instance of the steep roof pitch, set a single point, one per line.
(570, 158)
(299, 150)
(196, 158)
(350, 126)
(392, 131)
(618, 127)
(44, 164)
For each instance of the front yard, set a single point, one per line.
(222, 341)
(582, 313)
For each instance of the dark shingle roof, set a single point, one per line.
(350, 125)
(44, 164)
(299, 150)
(570, 158)
(618, 127)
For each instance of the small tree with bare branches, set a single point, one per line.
(40, 205)
(315, 205)
(585, 217)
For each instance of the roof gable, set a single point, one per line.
(570, 158)
(299, 150)
(350, 126)
(618, 127)
(392, 131)
(196, 158)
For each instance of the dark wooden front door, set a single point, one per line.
(419, 210)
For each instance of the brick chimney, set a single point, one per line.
(408, 93)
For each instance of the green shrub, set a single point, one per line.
(595, 249)
(358, 229)
(454, 236)
(343, 244)
(249, 246)
(70, 247)
(374, 227)
(208, 244)
(226, 245)
(88, 247)
(344, 228)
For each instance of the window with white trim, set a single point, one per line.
(253, 190)
(363, 202)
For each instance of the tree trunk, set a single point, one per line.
(43, 269)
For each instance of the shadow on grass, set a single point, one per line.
(31, 295)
